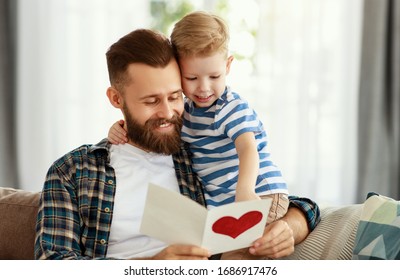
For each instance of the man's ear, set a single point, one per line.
(115, 97)
(228, 64)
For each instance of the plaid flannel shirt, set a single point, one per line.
(77, 200)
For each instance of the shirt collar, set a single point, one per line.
(102, 145)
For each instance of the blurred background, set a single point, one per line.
(322, 75)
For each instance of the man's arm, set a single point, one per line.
(281, 236)
(57, 225)
(296, 221)
(309, 208)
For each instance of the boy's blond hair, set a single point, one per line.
(200, 34)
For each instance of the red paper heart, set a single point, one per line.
(234, 227)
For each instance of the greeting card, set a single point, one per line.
(176, 219)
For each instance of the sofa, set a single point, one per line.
(18, 211)
(335, 238)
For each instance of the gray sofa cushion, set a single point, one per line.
(333, 238)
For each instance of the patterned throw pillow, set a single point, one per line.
(378, 233)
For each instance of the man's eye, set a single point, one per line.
(150, 101)
(190, 78)
(175, 96)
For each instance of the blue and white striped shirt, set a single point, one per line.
(211, 133)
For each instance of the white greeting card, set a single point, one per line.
(176, 219)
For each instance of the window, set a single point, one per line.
(296, 62)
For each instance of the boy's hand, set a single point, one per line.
(117, 133)
(246, 195)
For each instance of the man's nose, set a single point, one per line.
(165, 111)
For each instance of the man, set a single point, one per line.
(93, 197)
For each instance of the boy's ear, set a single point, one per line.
(228, 64)
(115, 97)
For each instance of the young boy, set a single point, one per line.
(226, 137)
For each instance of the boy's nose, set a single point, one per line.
(204, 86)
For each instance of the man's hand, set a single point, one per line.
(277, 241)
(182, 252)
(280, 236)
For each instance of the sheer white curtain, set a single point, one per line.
(304, 86)
(301, 76)
(62, 76)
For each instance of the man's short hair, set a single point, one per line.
(140, 46)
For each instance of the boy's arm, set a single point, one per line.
(249, 164)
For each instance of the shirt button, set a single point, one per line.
(106, 209)
(102, 242)
(110, 181)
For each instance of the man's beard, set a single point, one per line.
(146, 137)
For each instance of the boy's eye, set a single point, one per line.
(215, 77)
(190, 78)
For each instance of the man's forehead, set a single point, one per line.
(140, 72)
(154, 81)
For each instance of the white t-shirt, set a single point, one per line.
(134, 170)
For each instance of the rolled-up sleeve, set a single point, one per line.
(309, 208)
